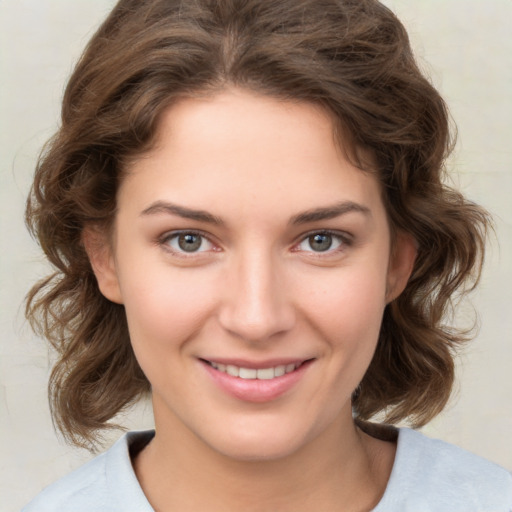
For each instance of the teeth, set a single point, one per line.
(279, 370)
(265, 373)
(252, 373)
(232, 370)
(248, 373)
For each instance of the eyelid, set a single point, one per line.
(345, 238)
(163, 240)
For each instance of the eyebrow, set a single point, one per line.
(182, 211)
(330, 212)
(314, 215)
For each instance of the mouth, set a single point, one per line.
(257, 382)
(268, 373)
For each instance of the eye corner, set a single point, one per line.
(175, 242)
(329, 242)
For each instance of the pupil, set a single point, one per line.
(320, 242)
(189, 242)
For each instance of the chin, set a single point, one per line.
(258, 444)
(258, 451)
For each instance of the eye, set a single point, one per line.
(322, 242)
(187, 242)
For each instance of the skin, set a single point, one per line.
(257, 289)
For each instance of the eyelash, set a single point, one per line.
(165, 240)
(344, 239)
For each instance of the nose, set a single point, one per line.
(256, 305)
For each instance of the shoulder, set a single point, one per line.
(107, 483)
(432, 475)
(84, 485)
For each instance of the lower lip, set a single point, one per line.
(256, 390)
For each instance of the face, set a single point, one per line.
(253, 261)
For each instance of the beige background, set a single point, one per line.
(464, 45)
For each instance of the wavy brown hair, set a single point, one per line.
(353, 58)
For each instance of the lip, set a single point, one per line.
(255, 390)
(256, 365)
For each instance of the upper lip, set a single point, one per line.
(257, 365)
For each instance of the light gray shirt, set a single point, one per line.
(428, 476)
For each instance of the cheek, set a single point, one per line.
(347, 313)
(350, 301)
(165, 306)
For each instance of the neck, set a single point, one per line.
(178, 471)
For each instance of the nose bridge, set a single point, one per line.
(256, 304)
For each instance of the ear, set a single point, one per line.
(101, 256)
(401, 264)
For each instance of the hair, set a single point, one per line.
(353, 58)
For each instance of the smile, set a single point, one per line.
(256, 382)
(255, 373)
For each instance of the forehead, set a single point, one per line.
(239, 148)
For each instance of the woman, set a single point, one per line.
(246, 211)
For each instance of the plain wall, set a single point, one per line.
(464, 45)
